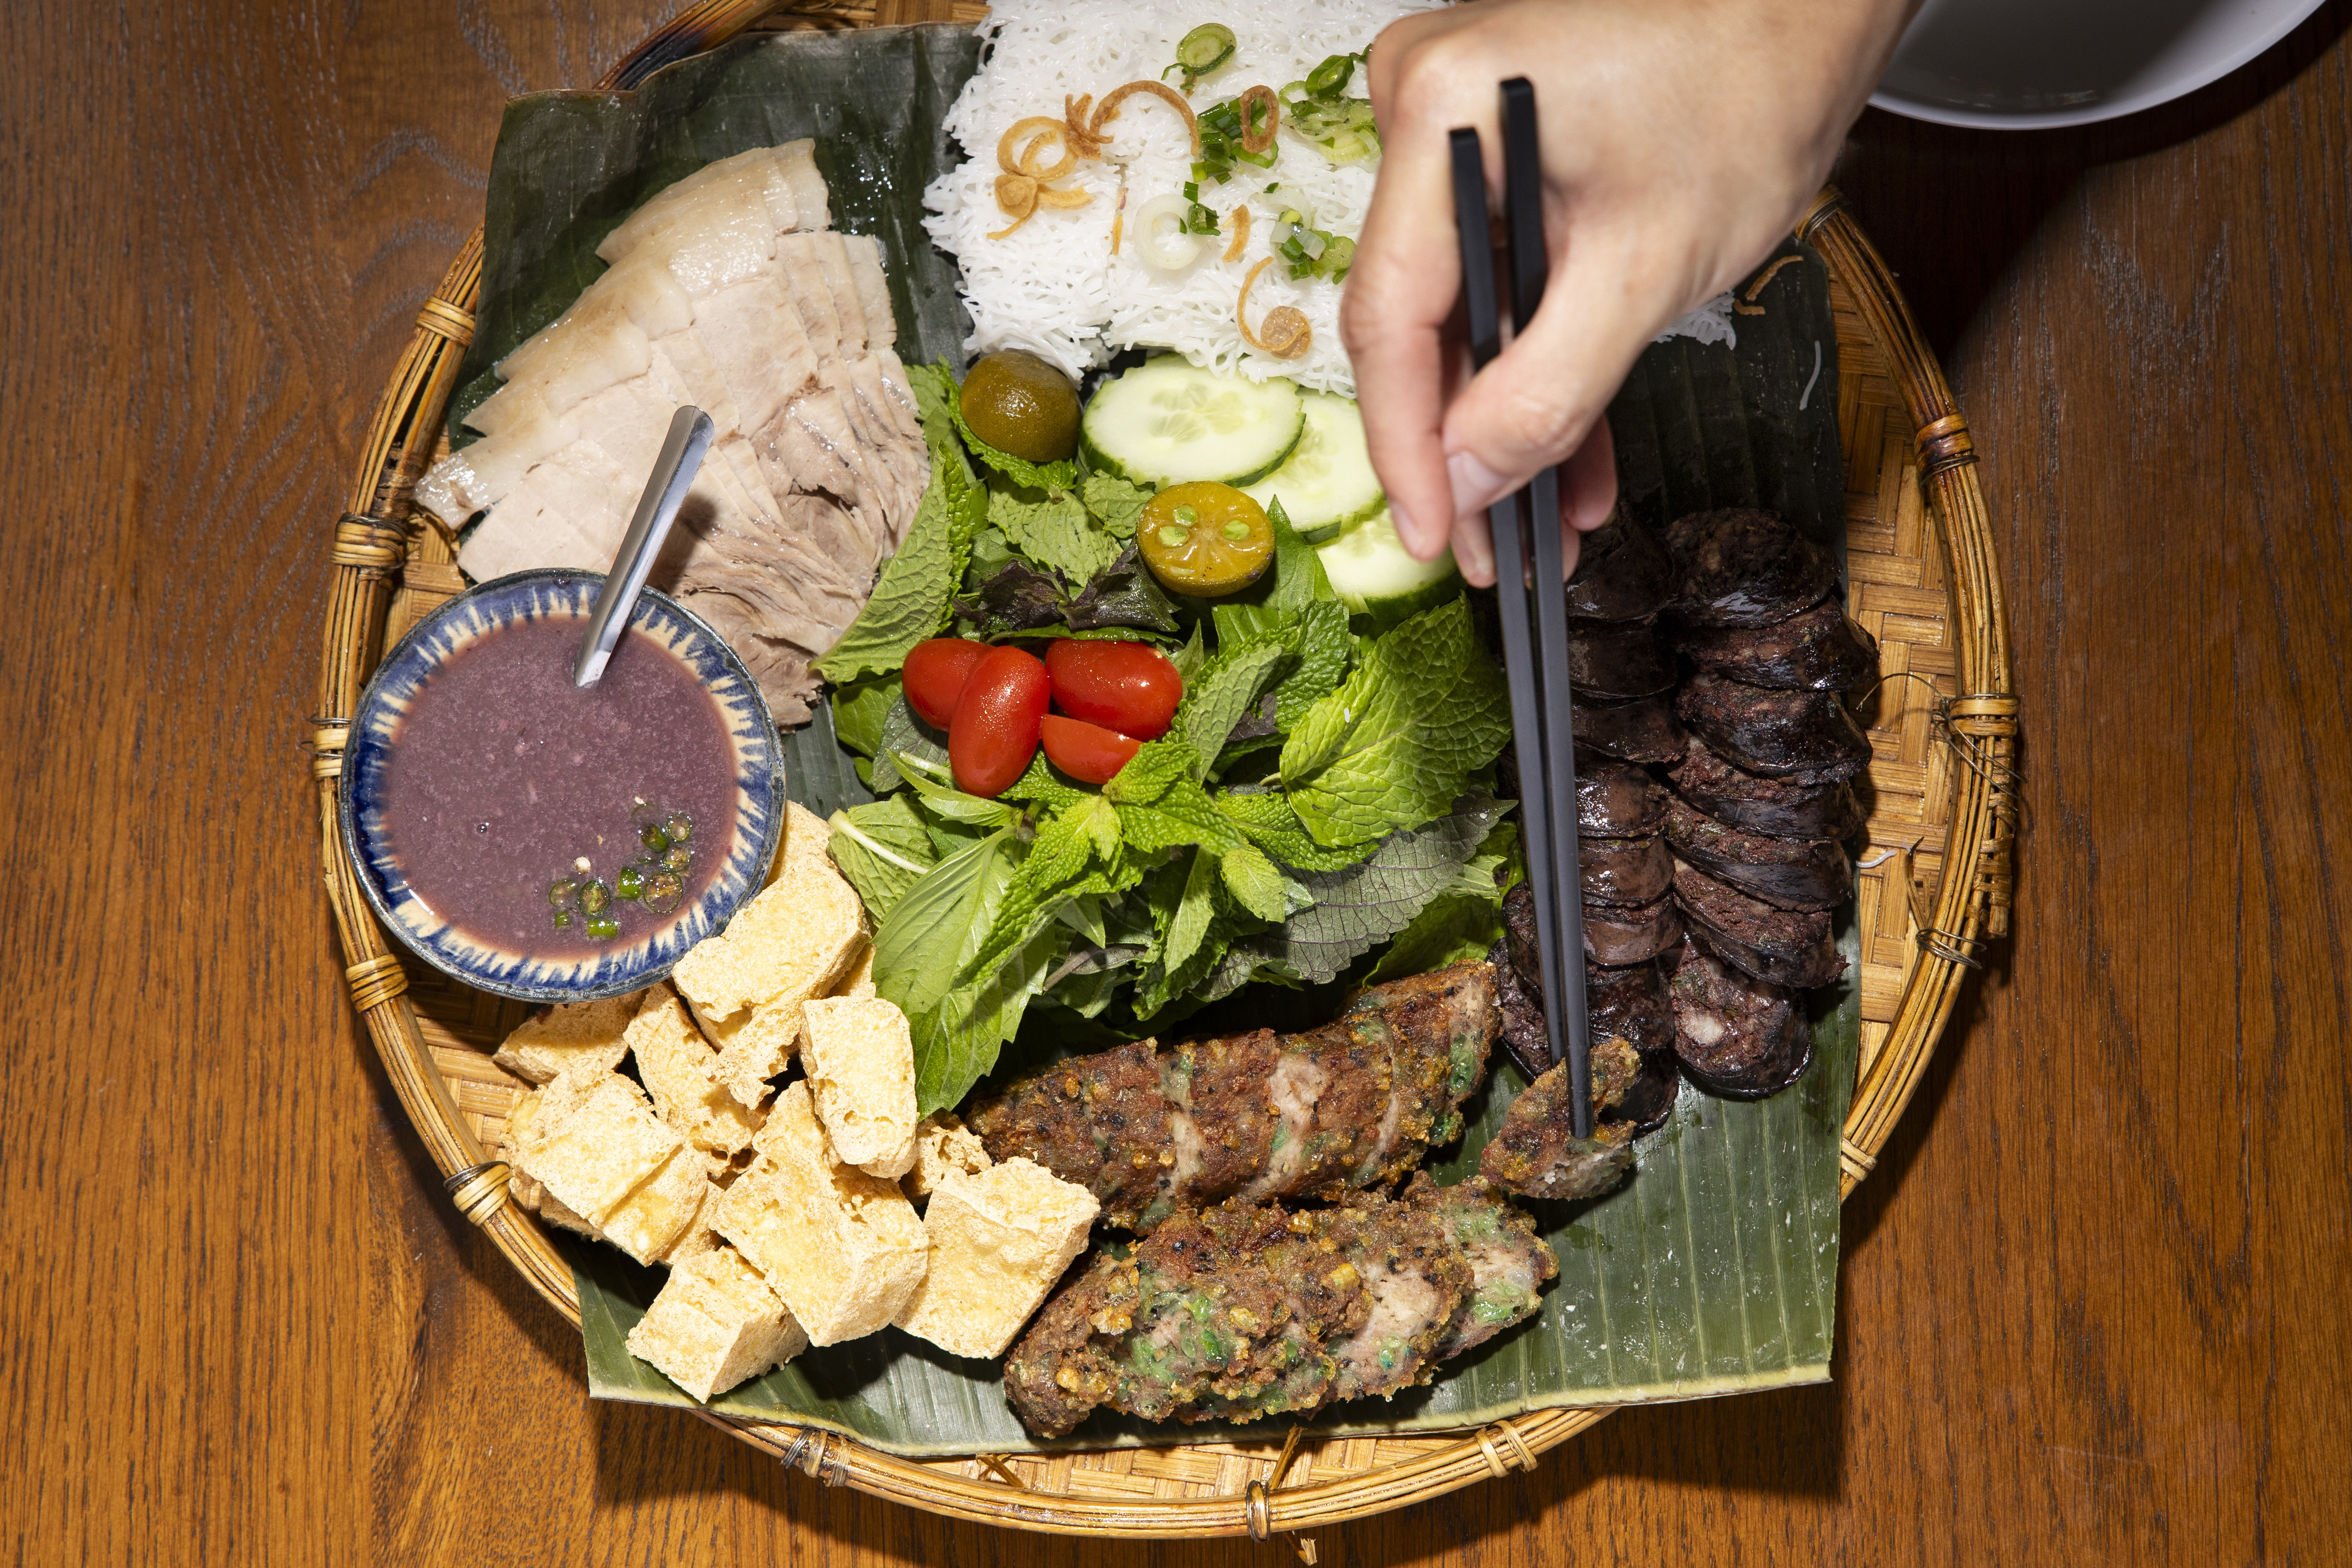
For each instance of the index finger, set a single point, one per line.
(1399, 293)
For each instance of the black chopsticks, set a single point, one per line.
(1536, 667)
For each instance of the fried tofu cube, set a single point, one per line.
(998, 1241)
(859, 981)
(843, 1249)
(715, 1324)
(860, 1058)
(699, 1237)
(794, 940)
(583, 1035)
(595, 1145)
(681, 1069)
(807, 837)
(943, 1144)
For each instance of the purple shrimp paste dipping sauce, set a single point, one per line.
(502, 776)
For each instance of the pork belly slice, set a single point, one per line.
(802, 267)
(478, 476)
(747, 199)
(778, 668)
(865, 255)
(849, 310)
(563, 514)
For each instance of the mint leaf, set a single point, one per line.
(1268, 821)
(1115, 503)
(1296, 581)
(1181, 815)
(1046, 786)
(1075, 854)
(1055, 532)
(1320, 638)
(1254, 882)
(939, 921)
(1215, 700)
(883, 849)
(1398, 739)
(1155, 766)
(1367, 903)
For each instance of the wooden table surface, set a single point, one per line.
(2095, 1294)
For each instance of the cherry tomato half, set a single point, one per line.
(936, 671)
(993, 732)
(1088, 753)
(1130, 686)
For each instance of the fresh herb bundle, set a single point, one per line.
(1317, 811)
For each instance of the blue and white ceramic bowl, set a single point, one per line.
(624, 967)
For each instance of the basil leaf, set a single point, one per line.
(947, 801)
(958, 1042)
(1254, 882)
(859, 710)
(907, 736)
(1400, 737)
(883, 849)
(1215, 700)
(939, 921)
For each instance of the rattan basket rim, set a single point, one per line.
(1954, 921)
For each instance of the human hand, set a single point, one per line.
(1681, 139)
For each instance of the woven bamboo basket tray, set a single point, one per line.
(1943, 725)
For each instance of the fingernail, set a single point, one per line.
(1475, 484)
(1407, 535)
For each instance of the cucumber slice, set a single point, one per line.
(1374, 577)
(1326, 483)
(1166, 423)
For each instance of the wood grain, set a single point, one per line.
(2095, 1295)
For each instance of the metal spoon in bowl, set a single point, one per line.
(690, 431)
